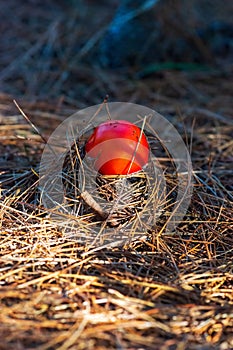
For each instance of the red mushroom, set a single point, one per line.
(118, 147)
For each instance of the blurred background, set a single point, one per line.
(138, 51)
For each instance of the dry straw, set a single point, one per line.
(59, 293)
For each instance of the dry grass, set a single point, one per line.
(159, 292)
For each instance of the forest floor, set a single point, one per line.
(159, 292)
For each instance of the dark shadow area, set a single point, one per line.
(83, 49)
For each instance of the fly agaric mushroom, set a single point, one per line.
(118, 148)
